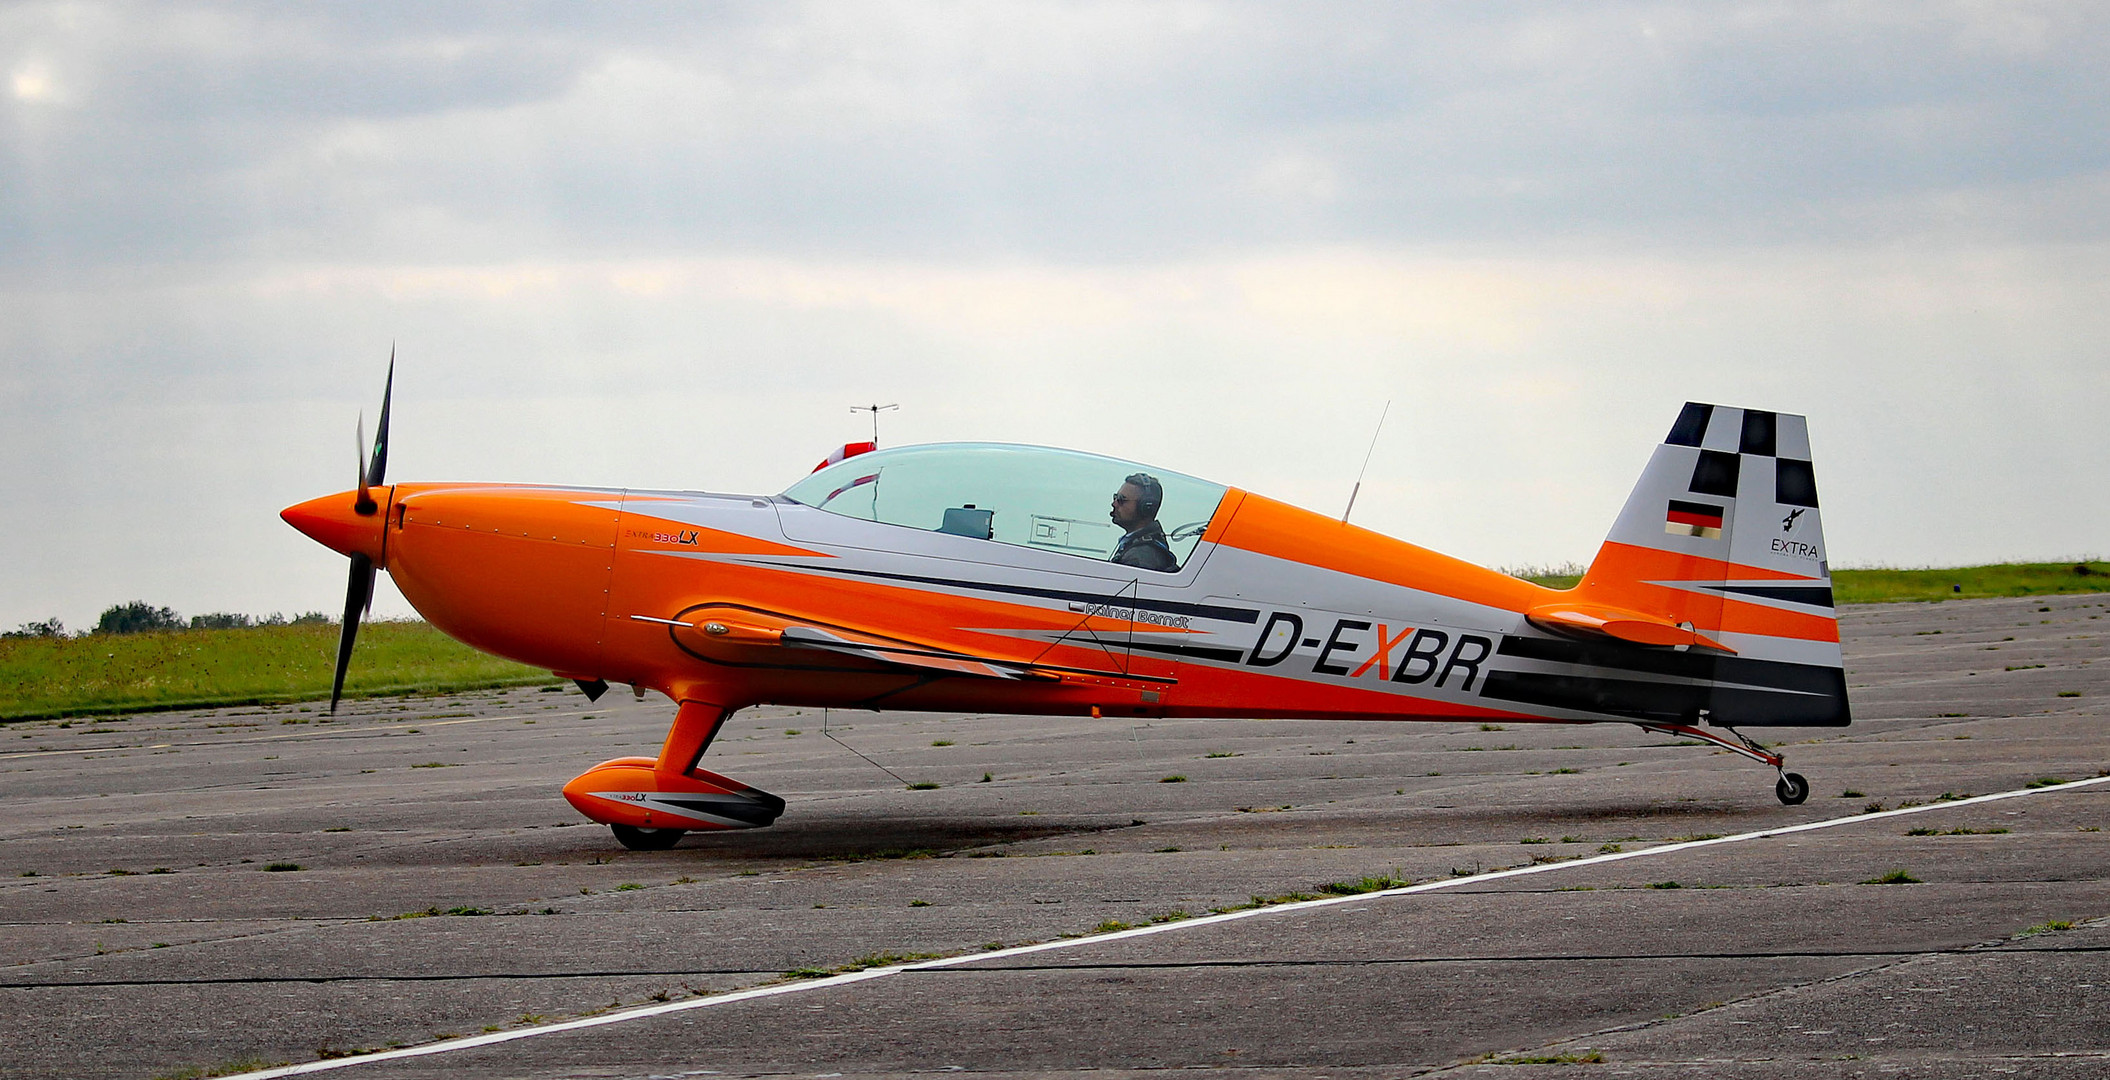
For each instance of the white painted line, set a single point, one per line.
(868, 974)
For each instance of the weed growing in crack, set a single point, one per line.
(1897, 876)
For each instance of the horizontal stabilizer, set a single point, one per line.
(1600, 620)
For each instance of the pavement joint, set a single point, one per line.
(368, 732)
(324, 980)
(1140, 965)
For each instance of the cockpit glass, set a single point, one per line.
(1032, 496)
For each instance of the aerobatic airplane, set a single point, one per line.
(993, 578)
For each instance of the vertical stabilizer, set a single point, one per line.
(1723, 537)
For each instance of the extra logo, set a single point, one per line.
(1796, 549)
(686, 537)
(1424, 654)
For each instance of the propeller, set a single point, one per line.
(359, 591)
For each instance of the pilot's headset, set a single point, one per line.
(1149, 493)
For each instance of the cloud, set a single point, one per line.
(669, 246)
(1058, 130)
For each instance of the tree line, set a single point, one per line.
(140, 617)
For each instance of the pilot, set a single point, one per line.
(1136, 511)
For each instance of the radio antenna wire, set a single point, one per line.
(1358, 488)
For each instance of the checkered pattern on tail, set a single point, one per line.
(1733, 486)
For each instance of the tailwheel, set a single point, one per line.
(640, 839)
(1791, 788)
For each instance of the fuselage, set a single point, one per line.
(588, 583)
(1273, 612)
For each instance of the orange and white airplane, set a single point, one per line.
(992, 578)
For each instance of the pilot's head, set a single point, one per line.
(1136, 504)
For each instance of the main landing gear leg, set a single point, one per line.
(652, 802)
(1791, 788)
(696, 723)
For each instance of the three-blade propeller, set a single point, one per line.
(359, 591)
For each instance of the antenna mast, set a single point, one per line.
(1358, 488)
(876, 409)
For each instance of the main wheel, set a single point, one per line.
(1792, 788)
(637, 839)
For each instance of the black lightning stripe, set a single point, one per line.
(1813, 595)
(1193, 652)
(735, 807)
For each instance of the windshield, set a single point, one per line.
(1058, 500)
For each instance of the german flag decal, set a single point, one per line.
(1693, 519)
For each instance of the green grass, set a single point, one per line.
(108, 673)
(1899, 876)
(1881, 586)
(1591, 1058)
(434, 912)
(2005, 579)
(225, 1068)
(872, 960)
(1365, 884)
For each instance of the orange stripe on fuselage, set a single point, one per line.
(1739, 617)
(1212, 691)
(1264, 526)
(1621, 563)
(1622, 573)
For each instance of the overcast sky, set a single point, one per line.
(670, 246)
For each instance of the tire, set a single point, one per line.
(637, 839)
(1792, 788)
